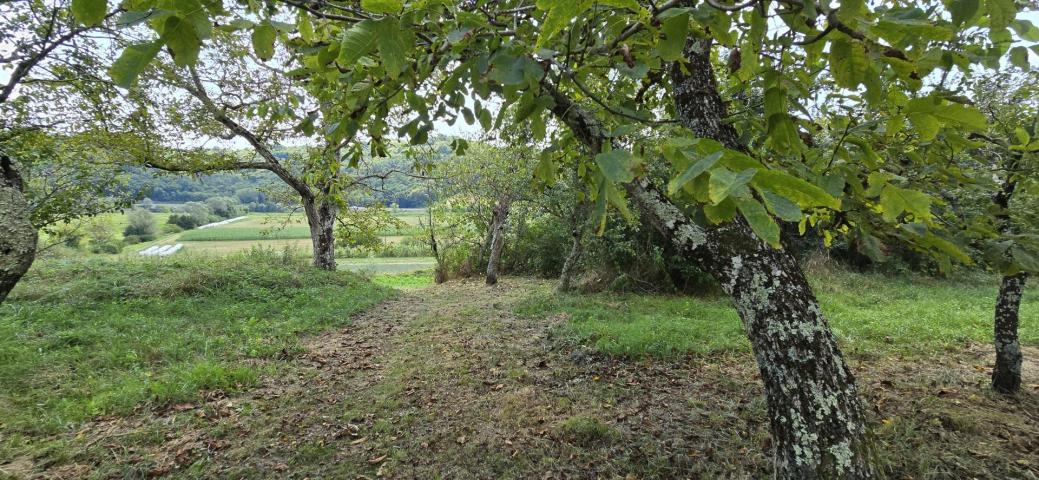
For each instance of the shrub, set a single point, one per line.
(171, 228)
(142, 225)
(182, 221)
(106, 247)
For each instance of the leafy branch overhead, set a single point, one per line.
(833, 100)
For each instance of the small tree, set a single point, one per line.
(141, 225)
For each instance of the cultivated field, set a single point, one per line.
(282, 230)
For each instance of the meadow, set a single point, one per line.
(289, 231)
(188, 365)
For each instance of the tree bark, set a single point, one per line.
(321, 216)
(566, 276)
(500, 215)
(1006, 376)
(18, 236)
(817, 422)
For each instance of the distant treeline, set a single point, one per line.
(254, 188)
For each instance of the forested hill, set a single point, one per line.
(261, 187)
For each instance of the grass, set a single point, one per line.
(82, 338)
(233, 232)
(405, 281)
(871, 314)
(386, 265)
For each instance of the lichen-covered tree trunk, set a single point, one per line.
(566, 276)
(321, 217)
(499, 217)
(817, 422)
(1006, 376)
(816, 419)
(17, 234)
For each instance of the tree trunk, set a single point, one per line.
(18, 236)
(1006, 376)
(817, 422)
(501, 214)
(576, 249)
(321, 217)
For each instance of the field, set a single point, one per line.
(279, 231)
(227, 367)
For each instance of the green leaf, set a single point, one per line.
(763, 225)
(781, 207)
(357, 42)
(694, 171)
(382, 6)
(306, 27)
(392, 42)
(1000, 13)
(1019, 57)
(724, 211)
(546, 170)
(795, 189)
(725, 182)
(961, 114)
(616, 165)
(963, 10)
(895, 200)
(675, 29)
(560, 13)
(926, 125)
(848, 63)
(89, 12)
(182, 40)
(132, 62)
(263, 40)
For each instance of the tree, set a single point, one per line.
(141, 225)
(50, 83)
(1008, 150)
(634, 86)
(271, 107)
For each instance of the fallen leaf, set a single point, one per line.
(378, 459)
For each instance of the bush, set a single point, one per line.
(107, 247)
(171, 228)
(131, 239)
(182, 221)
(224, 207)
(142, 225)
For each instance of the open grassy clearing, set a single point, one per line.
(872, 315)
(464, 381)
(387, 265)
(81, 339)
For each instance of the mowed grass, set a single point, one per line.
(232, 232)
(388, 265)
(871, 314)
(82, 338)
(284, 226)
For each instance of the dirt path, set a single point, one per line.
(447, 382)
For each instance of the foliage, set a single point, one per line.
(141, 224)
(359, 228)
(68, 176)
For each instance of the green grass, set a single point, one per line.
(386, 265)
(81, 338)
(405, 281)
(871, 314)
(232, 232)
